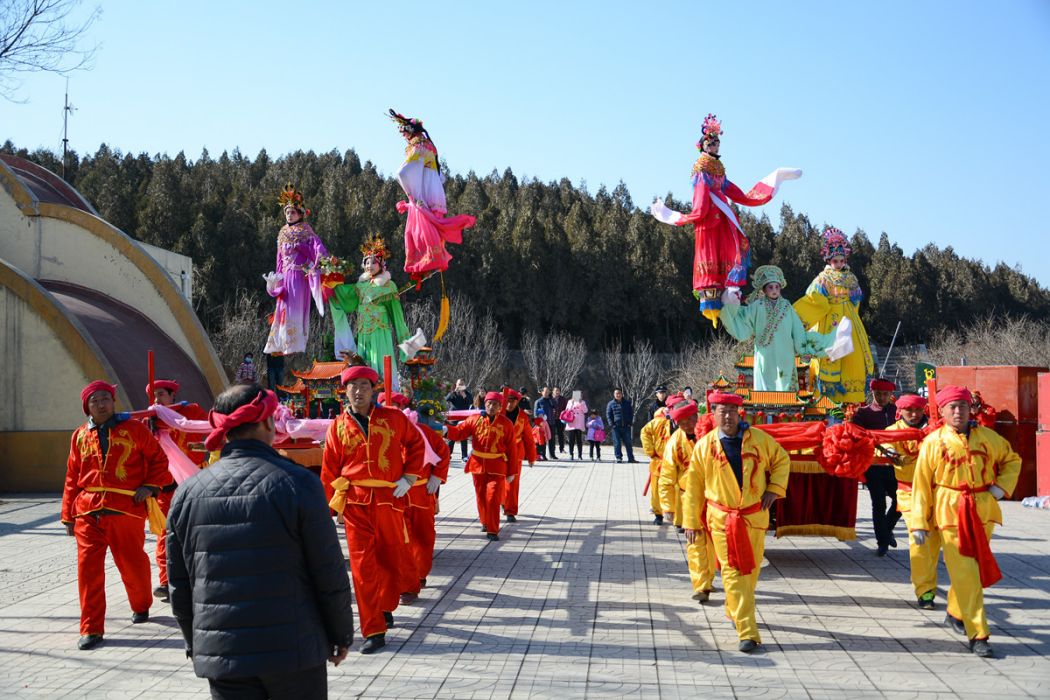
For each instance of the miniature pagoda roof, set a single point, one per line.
(296, 388)
(773, 398)
(322, 371)
(720, 383)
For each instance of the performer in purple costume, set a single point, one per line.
(296, 279)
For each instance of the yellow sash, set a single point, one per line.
(157, 521)
(341, 485)
(488, 455)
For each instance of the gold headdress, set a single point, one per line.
(374, 247)
(292, 197)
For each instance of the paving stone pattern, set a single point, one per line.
(582, 598)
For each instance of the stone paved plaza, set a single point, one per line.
(582, 597)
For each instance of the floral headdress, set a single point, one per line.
(835, 243)
(291, 197)
(374, 247)
(710, 129)
(412, 123)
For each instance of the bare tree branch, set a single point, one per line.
(39, 35)
(702, 364)
(634, 372)
(556, 360)
(472, 349)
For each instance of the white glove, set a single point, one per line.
(997, 492)
(413, 345)
(401, 487)
(731, 296)
(432, 485)
(843, 344)
(510, 479)
(273, 279)
(919, 536)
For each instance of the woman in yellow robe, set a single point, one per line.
(834, 294)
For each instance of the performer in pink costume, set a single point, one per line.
(296, 279)
(428, 228)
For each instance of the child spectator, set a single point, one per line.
(541, 435)
(595, 435)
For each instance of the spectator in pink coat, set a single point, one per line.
(576, 427)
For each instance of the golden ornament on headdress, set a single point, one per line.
(291, 196)
(374, 247)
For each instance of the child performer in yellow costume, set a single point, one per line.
(835, 294)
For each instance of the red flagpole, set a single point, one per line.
(388, 374)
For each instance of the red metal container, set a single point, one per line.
(1042, 459)
(1043, 414)
(1010, 390)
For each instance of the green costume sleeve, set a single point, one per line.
(739, 321)
(346, 298)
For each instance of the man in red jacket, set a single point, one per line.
(492, 443)
(422, 505)
(372, 457)
(114, 472)
(164, 394)
(524, 449)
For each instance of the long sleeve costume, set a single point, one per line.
(950, 494)
(492, 447)
(379, 313)
(734, 513)
(524, 451)
(832, 295)
(422, 507)
(654, 435)
(779, 338)
(359, 469)
(700, 555)
(97, 499)
(298, 252)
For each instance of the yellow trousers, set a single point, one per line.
(966, 596)
(924, 562)
(654, 495)
(740, 589)
(701, 558)
(678, 514)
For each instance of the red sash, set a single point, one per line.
(973, 542)
(741, 556)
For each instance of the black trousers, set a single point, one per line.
(462, 448)
(576, 440)
(552, 444)
(307, 684)
(882, 484)
(559, 429)
(595, 449)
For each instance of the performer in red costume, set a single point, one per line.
(492, 443)
(164, 391)
(372, 457)
(721, 253)
(524, 449)
(114, 472)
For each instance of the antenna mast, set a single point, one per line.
(66, 111)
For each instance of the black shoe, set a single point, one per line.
(881, 551)
(423, 582)
(981, 647)
(492, 537)
(893, 542)
(632, 461)
(955, 624)
(926, 601)
(388, 617)
(140, 617)
(89, 641)
(483, 529)
(511, 519)
(374, 643)
(658, 520)
(702, 596)
(619, 461)
(161, 593)
(409, 598)
(748, 645)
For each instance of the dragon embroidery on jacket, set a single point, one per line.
(386, 435)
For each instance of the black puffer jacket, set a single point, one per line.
(258, 582)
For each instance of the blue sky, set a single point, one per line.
(921, 119)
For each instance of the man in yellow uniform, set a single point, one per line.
(739, 472)
(923, 557)
(962, 472)
(670, 494)
(700, 550)
(654, 438)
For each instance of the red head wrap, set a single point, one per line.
(97, 385)
(397, 398)
(953, 393)
(882, 385)
(168, 384)
(910, 401)
(511, 394)
(673, 399)
(684, 411)
(359, 372)
(494, 396)
(261, 408)
(722, 397)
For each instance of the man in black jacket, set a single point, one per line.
(548, 406)
(459, 399)
(258, 582)
(619, 416)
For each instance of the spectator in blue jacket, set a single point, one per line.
(619, 417)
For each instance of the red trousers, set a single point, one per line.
(125, 537)
(510, 496)
(488, 489)
(161, 556)
(421, 535)
(375, 538)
